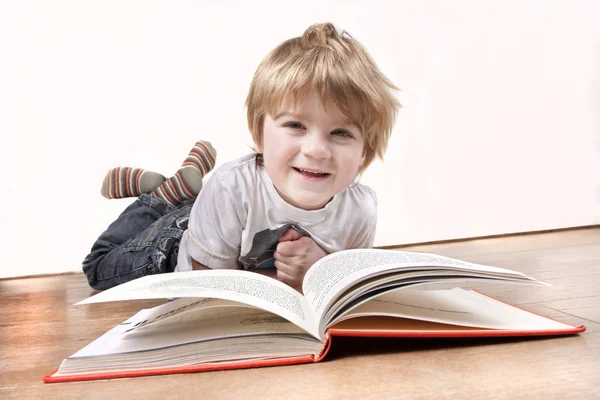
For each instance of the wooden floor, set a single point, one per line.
(39, 326)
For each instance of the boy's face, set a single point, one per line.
(309, 154)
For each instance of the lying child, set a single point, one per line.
(319, 112)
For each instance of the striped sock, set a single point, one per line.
(124, 182)
(187, 181)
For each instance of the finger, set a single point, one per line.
(285, 277)
(290, 234)
(288, 248)
(289, 274)
(285, 266)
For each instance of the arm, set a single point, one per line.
(197, 266)
(214, 228)
(272, 273)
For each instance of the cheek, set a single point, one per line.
(353, 159)
(273, 161)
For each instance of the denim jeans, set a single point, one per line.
(144, 240)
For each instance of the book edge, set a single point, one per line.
(457, 334)
(51, 378)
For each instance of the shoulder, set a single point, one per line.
(240, 172)
(358, 205)
(225, 197)
(361, 195)
(241, 165)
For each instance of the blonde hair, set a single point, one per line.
(336, 67)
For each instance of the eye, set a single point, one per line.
(294, 125)
(341, 133)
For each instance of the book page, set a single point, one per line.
(238, 323)
(332, 275)
(186, 309)
(241, 286)
(371, 287)
(454, 307)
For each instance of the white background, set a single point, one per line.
(500, 133)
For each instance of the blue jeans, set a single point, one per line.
(144, 240)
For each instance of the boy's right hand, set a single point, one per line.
(294, 255)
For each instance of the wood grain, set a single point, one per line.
(40, 326)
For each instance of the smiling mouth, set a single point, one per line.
(311, 174)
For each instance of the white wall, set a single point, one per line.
(500, 134)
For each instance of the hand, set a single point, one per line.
(294, 255)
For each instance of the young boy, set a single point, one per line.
(319, 112)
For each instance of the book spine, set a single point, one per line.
(324, 349)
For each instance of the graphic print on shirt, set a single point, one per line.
(264, 245)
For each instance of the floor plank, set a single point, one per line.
(39, 326)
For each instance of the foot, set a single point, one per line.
(124, 182)
(187, 181)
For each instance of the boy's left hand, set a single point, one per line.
(294, 255)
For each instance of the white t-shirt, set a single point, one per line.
(239, 214)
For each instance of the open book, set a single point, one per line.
(225, 319)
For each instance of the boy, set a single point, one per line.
(319, 112)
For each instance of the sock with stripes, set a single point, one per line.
(124, 182)
(187, 181)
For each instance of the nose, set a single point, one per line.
(316, 147)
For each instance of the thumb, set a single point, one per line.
(290, 234)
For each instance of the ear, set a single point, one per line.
(257, 136)
(257, 147)
(362, 159)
